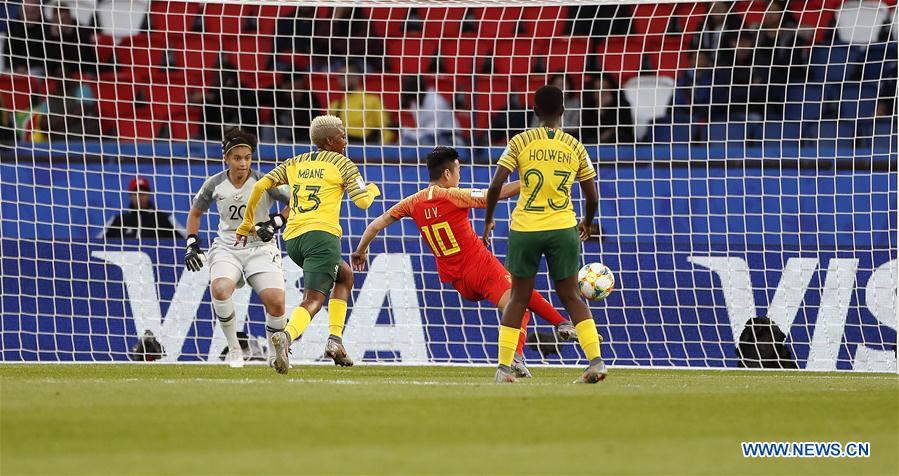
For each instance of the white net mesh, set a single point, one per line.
(746, 154)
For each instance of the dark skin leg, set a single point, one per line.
(571, 299)
(566, 289)
(522, 288)
(314, 300)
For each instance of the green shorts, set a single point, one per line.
(318, 253)
(561, 247)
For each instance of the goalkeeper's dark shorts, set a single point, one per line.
(318, 253)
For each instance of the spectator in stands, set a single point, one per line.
(740, 87)
(26, 39)
(505, 124)
(782, 46)
(347, 39)
(142, 220)
(435, 122)
(571, 119)
(599, 21)
(295, 106)
(294, 33)
(693, 93)
(720, 29)
(227, 103)
(606, 117)
(69, 47)
(362, 113)
(68, 112)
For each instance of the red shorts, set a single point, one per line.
(486, 278)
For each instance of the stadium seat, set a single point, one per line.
(17, 91)
(412, 55)
(464, 55)
(727, 132)
(252, 56)
(121, 18)
(668, 58)
(830, 66)
(174, 19)
(622, 57)
(877, 59)
(817, 14)
(666, 132)
(518, 57)
(442, 23)
(138, 55)
(388, 22)
(859, 23)
(752, 12)
(652, 18)
(568, 55)
(83, 11)
(649, 97)
(858, 100)
(198, 58)
(545, 22)
(497, 22)
(326, 88)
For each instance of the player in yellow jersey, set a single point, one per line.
(548, 161)
(317, 182)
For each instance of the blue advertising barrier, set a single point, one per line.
(696, 251)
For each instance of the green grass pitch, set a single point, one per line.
(198, 419)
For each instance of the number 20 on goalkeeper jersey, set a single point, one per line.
(548, 162)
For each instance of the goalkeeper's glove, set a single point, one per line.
(265, 230)
(194, 258)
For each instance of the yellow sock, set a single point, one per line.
(508, 342)
(336, 316)
(588, 338)
(299, 319)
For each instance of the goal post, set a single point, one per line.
(746, 156)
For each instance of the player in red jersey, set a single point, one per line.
(441, 213)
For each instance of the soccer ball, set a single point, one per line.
(596, 281)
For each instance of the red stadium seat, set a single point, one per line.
(544, 22)
(115, 101)
(568, 55)
(326, 88)
(518, 57)
(752, 11)
(225, 18)
(388, 22)
(668, 58)
(252, 57)
(411, 55)
(137, 56)
(105, 48)
(198, 58)
(173, 18)
(17, 91)
(691, 16)
(622, 57)
(442, 23)
(497, 22)
(464, 55)
(817, 14)
(652, 18)
(135, 129)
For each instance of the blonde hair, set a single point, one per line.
(323, 127)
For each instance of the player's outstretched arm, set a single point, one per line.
(588, 187)
(510, 190)
(493, 194)
(360, 256)
(246, 228)
(193, 255)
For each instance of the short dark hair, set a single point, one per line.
(234, 137)
(440, 159)
(549, 102)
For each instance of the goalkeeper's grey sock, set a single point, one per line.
(273, 324)
(224, 311)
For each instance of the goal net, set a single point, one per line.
(746, 152)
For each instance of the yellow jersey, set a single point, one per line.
(548, 161)
(362, 113)
(316, 183)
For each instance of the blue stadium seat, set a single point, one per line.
(859, 100)
(886, 135)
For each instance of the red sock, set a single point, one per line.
(545, 310)
(524, 332)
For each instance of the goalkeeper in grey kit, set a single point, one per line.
(259, 263)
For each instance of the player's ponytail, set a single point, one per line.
(234, 137)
